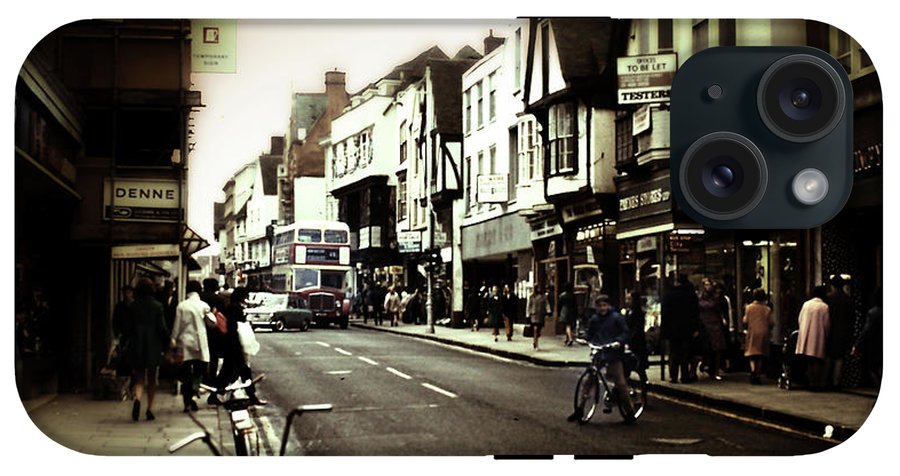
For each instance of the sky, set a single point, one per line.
(277, 57)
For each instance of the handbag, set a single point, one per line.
(216, 320)
(247, 338)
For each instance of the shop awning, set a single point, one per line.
(191, 241)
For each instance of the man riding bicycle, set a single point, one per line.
(605, 327)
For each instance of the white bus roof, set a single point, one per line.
(314, 224)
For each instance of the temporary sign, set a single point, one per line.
(646, 79)
(214, 46)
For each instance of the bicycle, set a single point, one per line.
(242, 427)
(589, 393)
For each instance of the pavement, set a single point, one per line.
(104, 427)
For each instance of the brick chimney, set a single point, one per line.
(277, 145)
(335, 90)
(491, 42)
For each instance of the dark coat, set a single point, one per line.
(606, 329)
(680, 314)
(568, 310)
(510, 305)
(147, 334)
(840, 336)
(231, 342)
(495, 311)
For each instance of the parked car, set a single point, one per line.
(278, 311)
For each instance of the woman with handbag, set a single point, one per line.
(234, 363)
(147, 336)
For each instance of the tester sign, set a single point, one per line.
(646, 79)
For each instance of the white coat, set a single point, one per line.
(189, 330)
(814, 325)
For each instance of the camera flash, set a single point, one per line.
(810, 186)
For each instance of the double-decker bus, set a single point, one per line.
(312, 259)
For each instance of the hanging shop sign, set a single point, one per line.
(640, 120)
(135, 199)
(214, 46)
(493, 188)
(145, 251)
(646, 79)
(409, 241)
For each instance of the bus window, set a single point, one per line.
(336, 236)
(305, 278)
(333, 279)
(284, 238)
(309, 236)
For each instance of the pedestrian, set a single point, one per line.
(605, 327)
(367, 307)
(473, 310)
(871, 340)
(166, 296)
(510, 305)
(378, 294)
(147, 336)
(812, 338)
(189, 335)
(214, 338)
(537, 311)
(759, 321)
(234, 363)
(120, 312)
(840, 336)
(713, 329)
(495, 311)
(568, 311)
(680, 323)
(392, 306)
(635, 319)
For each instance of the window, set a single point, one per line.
(517, 81)
(336, 237)
(513, 164)
(664, 34)
(624, 139)
(470, 178)
(309, 236)
(561, 137)
(333, 279)
(700, 35)
(492, 154)
(528, 150)
(726, 32)
(305, 278)
(479, 92)
(492, 99)
(401, 198)
(848, 52)
(467, 117)
(481, 165)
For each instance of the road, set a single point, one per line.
(395, 395)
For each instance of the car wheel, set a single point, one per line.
(344, 322)
(279, 325)
(304, 325)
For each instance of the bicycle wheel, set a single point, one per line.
(587, 394)
(637, 393)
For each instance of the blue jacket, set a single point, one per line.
(603, 330)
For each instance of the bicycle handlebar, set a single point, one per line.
(235, 386)
(611, 345)
(321, 407)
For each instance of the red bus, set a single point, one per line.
(312, 259)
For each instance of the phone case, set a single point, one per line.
(482, 191)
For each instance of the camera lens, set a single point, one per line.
(723, 175)
(801, 98)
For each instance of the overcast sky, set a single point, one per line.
(276, 57)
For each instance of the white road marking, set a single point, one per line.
(338, 372)
(368, 360)
(439, 390)
(272, 438)
(398, 373)
(342, 351)
(298, 353)
(323, 344)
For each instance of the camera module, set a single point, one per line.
(800, 98)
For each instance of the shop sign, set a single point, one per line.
(640, 120)
(409, 241)
(646, 79)
(643, 199)
(144, 251)
(137, 199)
(493, 188)
(681, 243)
(214, 46)
(647, 243)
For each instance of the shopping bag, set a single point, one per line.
(247, 338)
